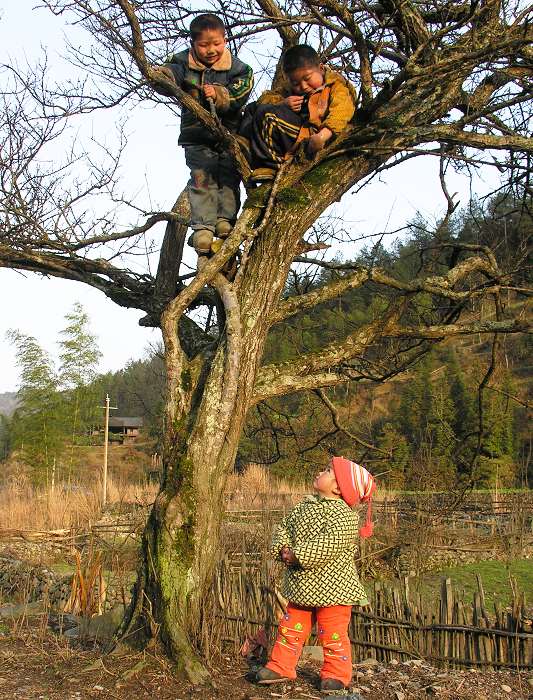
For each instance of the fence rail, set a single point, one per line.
(397, 625)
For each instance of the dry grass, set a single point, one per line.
(257, 489)
(25, 507)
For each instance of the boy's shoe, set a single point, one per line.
(262, 175)
(331, 684)
(266, 677)
(223, 228)
(201, 241)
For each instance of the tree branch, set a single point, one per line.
(455, 329)
(287, 377)
(438, 285)
(337, 423)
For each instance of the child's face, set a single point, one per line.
(305, 80)
(209, 46)
(325, 483)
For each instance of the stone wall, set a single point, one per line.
(22, 581)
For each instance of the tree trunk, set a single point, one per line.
(207, 402)
(209, 396)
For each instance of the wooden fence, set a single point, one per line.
(398, 624)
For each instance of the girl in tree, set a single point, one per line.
(317, 542)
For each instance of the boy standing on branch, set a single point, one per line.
(219, 81)
(317, 543)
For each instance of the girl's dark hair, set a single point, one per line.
(300, 56)
(203, 22)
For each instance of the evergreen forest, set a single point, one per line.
(459, 416)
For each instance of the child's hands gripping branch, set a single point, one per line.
(209, 92)
(287, 556)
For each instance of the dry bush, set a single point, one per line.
(26, 507)
(257, 489)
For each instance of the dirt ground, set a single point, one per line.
(36, 664)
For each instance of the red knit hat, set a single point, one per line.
(356, 485)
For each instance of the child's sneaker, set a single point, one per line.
(331, 684)
(262, 175)
(266, 677)
(201, 241)
(223, 228)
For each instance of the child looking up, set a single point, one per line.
(317, 542)
(213, 76)
(315, 104)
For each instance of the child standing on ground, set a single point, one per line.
(317, 543)
(315, 104)
(213, 76)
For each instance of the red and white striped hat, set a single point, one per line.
(356, 485)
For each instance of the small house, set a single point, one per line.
(125, 426)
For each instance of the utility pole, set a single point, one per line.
(107, 408)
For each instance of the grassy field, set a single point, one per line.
(494, 575)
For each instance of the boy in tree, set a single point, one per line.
(315, 104)
(317, 542)
(213, 76)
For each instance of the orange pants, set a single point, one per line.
(332, 629)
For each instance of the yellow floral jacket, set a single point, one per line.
(323, 533)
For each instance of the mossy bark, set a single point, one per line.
(205, 417)
(208, 399)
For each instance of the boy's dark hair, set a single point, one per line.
(203, 22)
(300, 56)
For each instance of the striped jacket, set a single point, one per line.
(233, 81)
(323, 534)
(340, 107)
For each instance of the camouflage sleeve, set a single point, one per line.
(177, 70)
(233, 97)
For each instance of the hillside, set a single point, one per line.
(427, 427)
(8, 403)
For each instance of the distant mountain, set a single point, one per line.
(8, 402)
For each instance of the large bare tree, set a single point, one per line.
(448, 79)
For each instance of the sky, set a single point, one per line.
(154, 169)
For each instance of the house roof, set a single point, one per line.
(125, 422)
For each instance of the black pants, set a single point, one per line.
(272, 131)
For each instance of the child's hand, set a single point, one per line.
(295, 102)
(318, 141)
(287, 556)
(209, 92)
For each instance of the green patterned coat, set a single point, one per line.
(323, 534)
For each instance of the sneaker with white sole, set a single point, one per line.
(223, 228)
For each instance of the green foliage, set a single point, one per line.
(395, 467)
(38, 431)
(431, 421)
(56, 407)
(138, 389)
(79, 357)
(5, 436)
